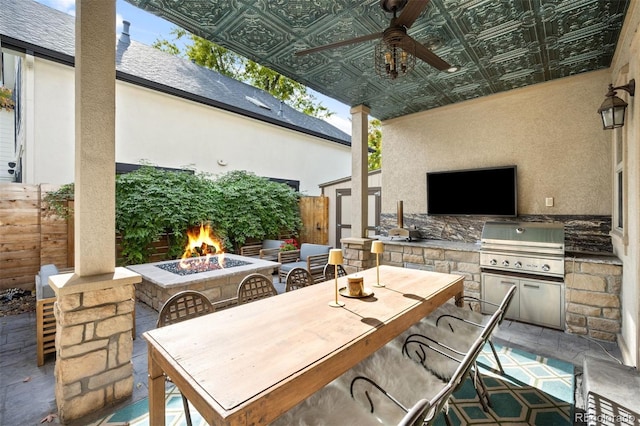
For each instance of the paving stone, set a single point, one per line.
(19, 361)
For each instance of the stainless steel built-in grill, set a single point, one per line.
(531, 257)
(530, 248)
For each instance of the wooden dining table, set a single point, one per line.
(249, 364)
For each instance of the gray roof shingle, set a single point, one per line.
(28, 25)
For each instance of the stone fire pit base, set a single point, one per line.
(220, 286)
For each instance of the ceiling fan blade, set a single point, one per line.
(421, 52)
(339, 44)
(411, 11)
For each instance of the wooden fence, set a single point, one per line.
(30, 238)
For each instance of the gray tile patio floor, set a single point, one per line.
(27, 391)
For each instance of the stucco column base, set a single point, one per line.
(357, 253)
(94, 344)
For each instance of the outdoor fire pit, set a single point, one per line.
(216, 274)
(218, 284)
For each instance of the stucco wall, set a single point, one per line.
(53, 140)
(626, 242)
(551, 131)
(172, 132)
(7, 151)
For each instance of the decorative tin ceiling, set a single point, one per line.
(498, 44)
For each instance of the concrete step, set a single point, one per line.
(611, 393)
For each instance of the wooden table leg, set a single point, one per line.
(460, 295)
(156, 391)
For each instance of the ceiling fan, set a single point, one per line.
(396, 35)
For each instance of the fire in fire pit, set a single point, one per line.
(202, 242)
(204, 252)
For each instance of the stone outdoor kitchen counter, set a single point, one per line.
(592, 281)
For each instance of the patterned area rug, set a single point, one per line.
(535, 391)
(137, 414)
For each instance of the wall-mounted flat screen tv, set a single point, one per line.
(478, 192)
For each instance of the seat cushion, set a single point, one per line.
(286, 267)
(440, 365)
(403, 378)
(330, 406)
(43, 290)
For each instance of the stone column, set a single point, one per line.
(359, 171)
(93, 340)
(357, 254)
(95, 305)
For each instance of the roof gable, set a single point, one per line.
(28, 25)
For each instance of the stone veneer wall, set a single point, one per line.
(358, 256)
(94, 348)
(592, 294)
(221, 290)
(582, 233)
(465, 263)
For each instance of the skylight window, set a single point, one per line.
(257, 102)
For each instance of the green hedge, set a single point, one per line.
(238, 205)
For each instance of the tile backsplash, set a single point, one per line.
(582, 233)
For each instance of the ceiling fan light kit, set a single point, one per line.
(393, 60)
(396, 53)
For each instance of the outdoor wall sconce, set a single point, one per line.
(613, 108)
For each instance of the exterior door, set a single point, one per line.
(343, 213)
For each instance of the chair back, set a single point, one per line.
(425, 412)
(467, 363)
(254, 287)
(329, 271)
(506, 302)
(272, 244)
(416, 415)
(298, 278)
(183, 306)
(438, 404)
(491, 325)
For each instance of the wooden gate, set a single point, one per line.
(314, 212)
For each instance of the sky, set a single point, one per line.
(147, 28)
